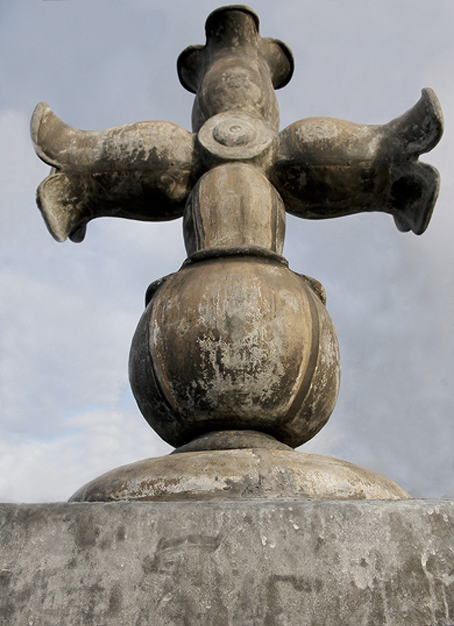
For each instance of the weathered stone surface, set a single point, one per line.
(239, 474)
(235, 343)
(228, 564)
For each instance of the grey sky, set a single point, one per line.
(68, 311)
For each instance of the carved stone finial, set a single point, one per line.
(234, 341)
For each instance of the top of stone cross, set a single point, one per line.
(322, 167)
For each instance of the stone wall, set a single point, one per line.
(305, 563)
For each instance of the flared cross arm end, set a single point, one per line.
(142, 171)
(329, 168)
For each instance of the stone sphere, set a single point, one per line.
(237, 342)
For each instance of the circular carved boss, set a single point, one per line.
(235, 135)
(235, 343)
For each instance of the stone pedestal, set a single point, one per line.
(298, 563)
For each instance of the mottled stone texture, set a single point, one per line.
(313, 563)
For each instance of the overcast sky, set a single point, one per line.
(68, 311)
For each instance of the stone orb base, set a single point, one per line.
(238, 475)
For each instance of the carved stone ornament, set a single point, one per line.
(235, 360)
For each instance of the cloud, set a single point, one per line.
(40, 470)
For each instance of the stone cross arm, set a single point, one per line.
(328, 168)
(322, 168)
(141, 171)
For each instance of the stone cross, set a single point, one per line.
(235, 341)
